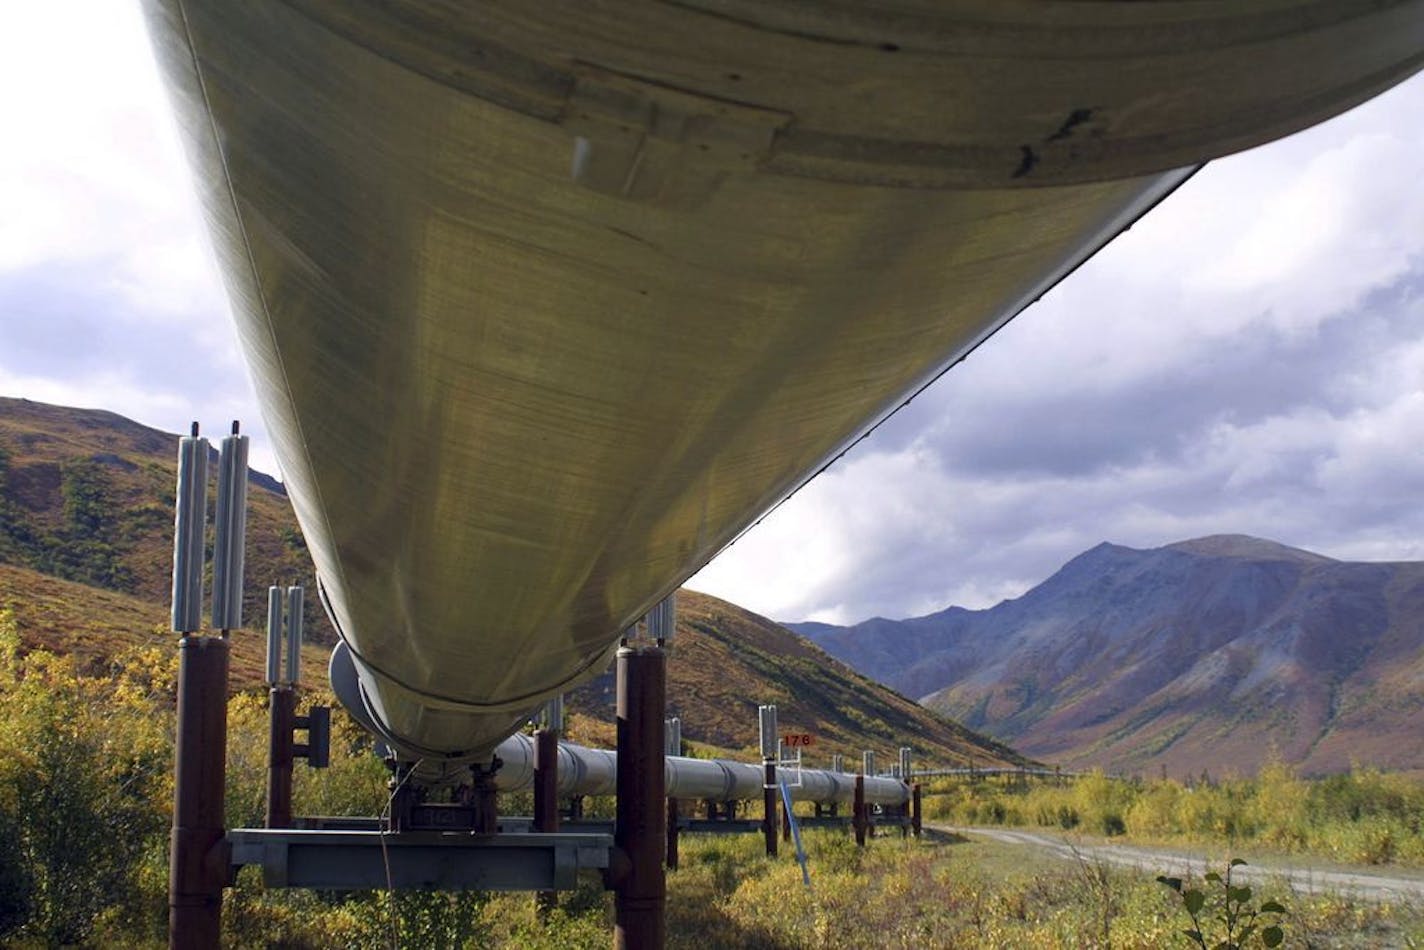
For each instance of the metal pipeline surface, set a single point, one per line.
(585, 771)
(546, 303)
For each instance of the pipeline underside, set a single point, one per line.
(545, 303)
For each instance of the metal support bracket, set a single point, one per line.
(432, 861)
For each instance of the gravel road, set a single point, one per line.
(1359, 883)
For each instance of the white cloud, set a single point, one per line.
(97, 165)
(97, 216)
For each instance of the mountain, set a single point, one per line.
(1206, 654)
(725, 661)
(86, 522)
(87, 496)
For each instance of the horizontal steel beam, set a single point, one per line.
(723, 826)
(432, 861)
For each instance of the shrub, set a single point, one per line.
(83, 781)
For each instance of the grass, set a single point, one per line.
(1365, 817)
(940, 891)
(101, 738)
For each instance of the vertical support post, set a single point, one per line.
(770, 752)
(672, 734)
(546, 788)
(672, 817)
(282, 711)
(198, 866)
(640, 886)
(770, 806)
(546, 780)
(485, 798)
(915, 811)
(858, 817)
(281, 703)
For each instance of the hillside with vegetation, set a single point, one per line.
(1205, 654)
(725, 661)
(1210, 653)
(87, 496)
(86, 515)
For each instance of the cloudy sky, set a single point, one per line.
(1249, 358)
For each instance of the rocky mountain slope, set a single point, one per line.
(1206, 654)
(86, 552)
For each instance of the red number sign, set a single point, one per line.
(798, 739)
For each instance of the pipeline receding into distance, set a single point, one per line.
(585, 771)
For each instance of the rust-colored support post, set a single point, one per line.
(915, 812)
(672, 834)
(546, 780)
(769, 805)
(198, 865)
(484, 796)
(640, 884)
(281, 720)
(546, 795)
(858, 819)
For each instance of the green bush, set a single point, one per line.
(83, 777)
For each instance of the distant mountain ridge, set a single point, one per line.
(86, 521)
(1208, 653)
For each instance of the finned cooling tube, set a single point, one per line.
(189, 520)
(231, 524)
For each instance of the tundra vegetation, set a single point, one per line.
(85, 793)
(1361, 817)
